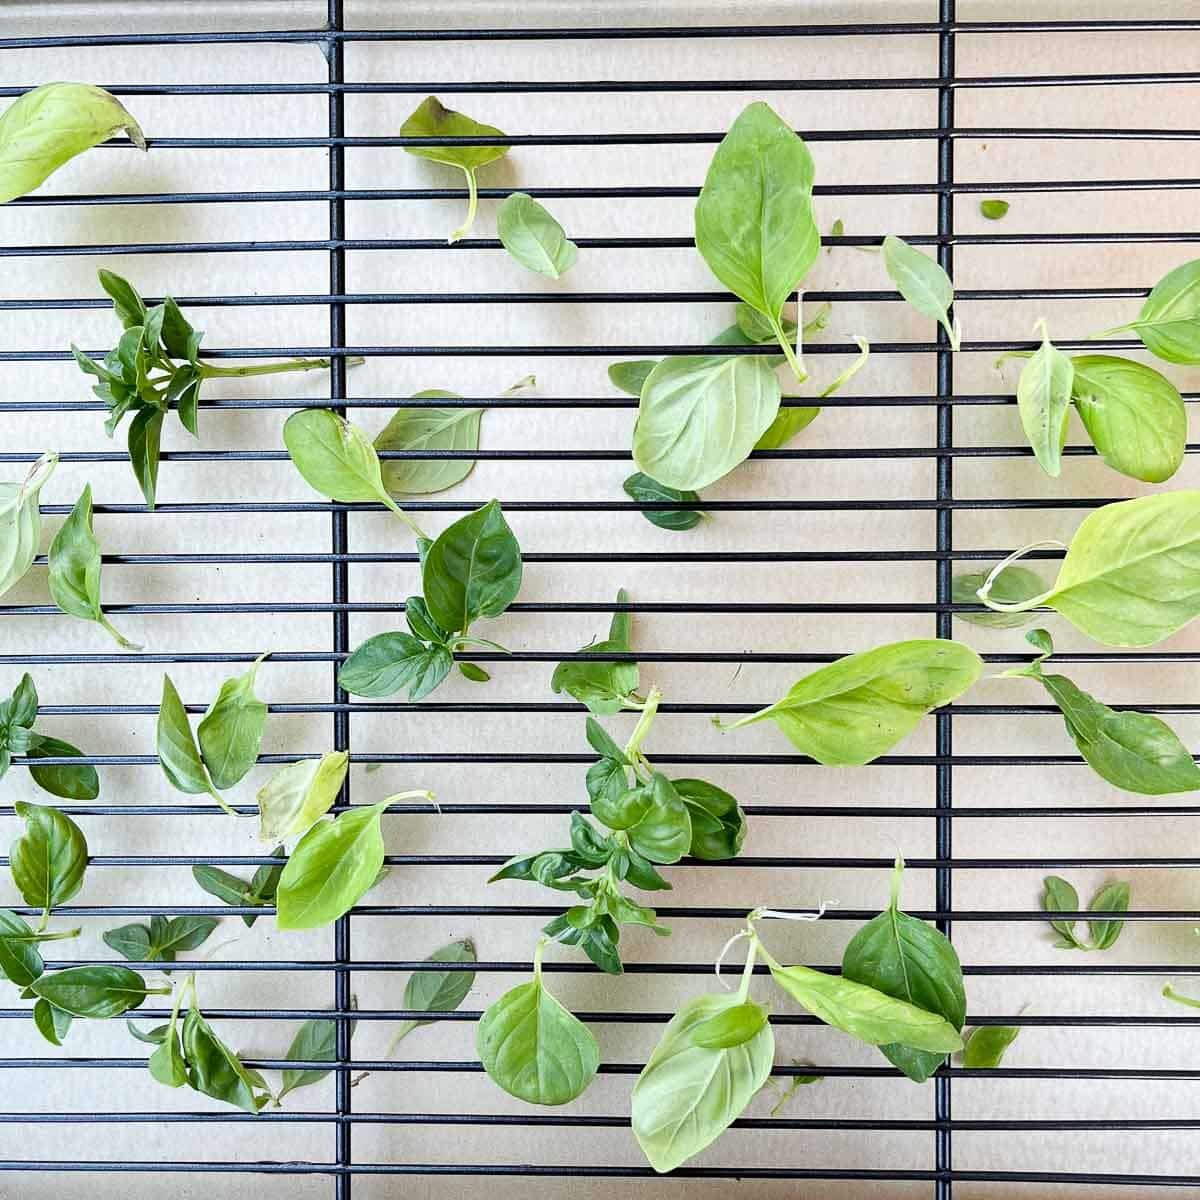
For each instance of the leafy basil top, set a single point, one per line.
(17, 736)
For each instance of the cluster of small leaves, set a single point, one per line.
(161, 939)
(17, 736)
(1061, 896)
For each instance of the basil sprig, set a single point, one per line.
(17, 736)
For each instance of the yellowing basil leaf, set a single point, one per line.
(299, 794)
(21, 521)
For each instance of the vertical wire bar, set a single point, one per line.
(944, 780)
(340, 543)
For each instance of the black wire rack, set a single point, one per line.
(333, 1160)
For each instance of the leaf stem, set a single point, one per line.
(390, 503)
(984, 591)
(212, 791)
(122, 641)
(743, 992)
(209, 371)
(788, 351)
(472, 204)
(53, 937)
(642, 728)
(1171, 994)
(864, 352)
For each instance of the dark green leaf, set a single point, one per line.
(718, 824)
(20, 962)
(1113, 897)
(145, 435)
(152, 1037)
(1060, 896)
(105, 990)
(315, 1041)
(127, 303)
(389, 662)
(213, 1068)
(230, 732)
(48, 861)
(664, 832)
(644, 490)
(52, 1023)
(178, 753)
(421, 624)
(71, 783)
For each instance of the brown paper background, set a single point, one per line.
(509, 939)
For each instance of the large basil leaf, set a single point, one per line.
(1044, 402)
(533, 237)
(298, 795)
(49, 859)
(754, 221)
(105, 990)
(333, 866)
(230, 733)
(909, 960)
(21, 520)
(699, 417)
(389, 662)
(689, 1093)
(472, 570)
(1169, 323)
(428, 429)
(1134, 416)
(663, 834)
(856, 709)
(921, 282)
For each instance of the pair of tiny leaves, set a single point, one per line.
(21, 522)
(1134, 751)
(1060, 896)
(17, 736)
(227, 742)
(162, 939)
(259, 892)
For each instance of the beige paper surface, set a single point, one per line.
(125, 692)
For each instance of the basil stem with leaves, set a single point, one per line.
(17, 736)
(1169, 323)
(21, 522)
(1061, 896)
(1134, 751)
(431, 119)
(259, 892)
(162, 939)
(48, 126)
(155, 367)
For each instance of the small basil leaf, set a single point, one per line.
(433, 429)
(533, 237)
(213, 1068)
(21, 522)
(315, 1041)
(985, 1047)
(230, 732)
(1044, 402)
(718, 823)
(389, 662)
(145, 436)
(644, 490)
(921, 282)
(437, 991)
(1113, 897)
(993, 210)
(299, 794)
(70, 783)
(1060, 896)
(52, 1023)
(100, 991)
(178, 753)
(730, 1027)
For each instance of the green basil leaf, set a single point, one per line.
(699, 417)
(315, 1041)
(74, 575)
(922, 283)
(105, 990)
(1060, 896)
(19, 711)
(602, 685)
(1169, 323)
(177, 332)
(162, 940)
(1113, 897)
(993, 210)
(333, 866)
(473, 672)
(644, 490)
(47, 861)
(234, 891)
(597, 736)
(664, 833)
(437, 991)
(756, 329)
(593, 847)
(533, 237)
(21, 522)
(642, 874)
(754, 219)
(389, 662)
(131, 942)
(1044, 402)
(854, 710)
(865, 1012)
(1012, 585)
(52, 1023)
(432, 119)
(688, 1094)
(167, 1064)
(535, 1049)
(909, 960)
(49, 125)
(300, 794)
(433, 429)
(1134, 416)
(178, 753)
(730, 1027)
(718, 824)
(423, 626)
(152, 1037)
(230, 732)
(788, 422)
(630, 377)
(70, 783)
(20, 962)
(127, 301)
(213, 1068)
(145, 436)
(472, 570)
(612, 800)
(985, 1046)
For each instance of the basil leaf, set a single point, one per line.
(595, 933)
(993, 210)
(1113, 897)
(178, 753)
(730, 1027)
(688, 1094)
(20, 962)
(389, 662)
(754, 220)
(788, 422)
(597, 736)
(234, 891)
(1134, 416)
(131, 942)
(52, 1023)
(177, 332)
(985, 1047)
(21, 521)
(472, 570)
(473, 672)
(145, 436)
(630, 377)
(922, 283)
(433, 429)
(74, 575)
(718, 823)
(613, 801)
(19, 711)
(756, 329)
(1169, 323)
(909, 960)
(865, 1012)
(533, 1048)
(437, 991)
(127, 301)
(604, 686)
(213, 1068)
(642, 875)
(644, 490)
(167, 1064)
(298, 795)
(105, 990)
(70, 783)
(699, 417)
(664, 833)
(1013, 584)
(230, 732)
(432, 119)
(162, 940)
(333, 866)
(152, 1037)
(533, 237)
(315, 1041)
(854, 710)
(47, 861)
(49, 125)
(1044, 402)
(1061, 896)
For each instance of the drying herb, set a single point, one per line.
(994, 210)
(1171, 994)
(1061, 896)
(644, 490)
(1169, 323)
(1013, 584)
(292, 801)
(17, 736)
(20, 962)
(909, 960)
(156, 366)
(1134, 751)
(162, 939)
(431, 119)
(1127, 576)
(48, 860)
(259, 892)
(533, 1047)
(754, 220)
(796, 1083)
(101, 991)
(49, 125)
(985, 1047)
(788, 422)
(21, 522)
(923, 284)
(1044, 402)
(855, 709)
(534, 238)
(74, 575)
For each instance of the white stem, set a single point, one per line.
(744, 933)
(984, 591)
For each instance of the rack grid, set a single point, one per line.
(340, 1165)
